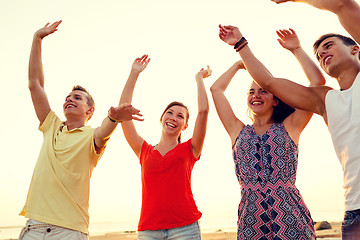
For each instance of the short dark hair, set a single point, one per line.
(90, 100)
(175, 103)
(346, 40)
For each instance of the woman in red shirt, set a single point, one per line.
(168, 208)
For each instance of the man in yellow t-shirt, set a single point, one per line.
(58, 198)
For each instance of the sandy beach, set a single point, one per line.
(334, 233)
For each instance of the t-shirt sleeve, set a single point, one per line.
(49, 120)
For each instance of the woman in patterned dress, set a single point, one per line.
(265, 154)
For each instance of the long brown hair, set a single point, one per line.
(175, 103)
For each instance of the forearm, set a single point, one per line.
(36, 73)
(348, 12)
(127, 93)
(256, 69)
(103, 132)
(203, 102)
(311, 70)
(329, 5)
(224, 80)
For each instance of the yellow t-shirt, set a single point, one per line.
(60, 185)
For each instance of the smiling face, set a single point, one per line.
(260, 101)
(76, 105)
(333, 55)
(174, 119)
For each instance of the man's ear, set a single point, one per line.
(90, 111)
(354, 49)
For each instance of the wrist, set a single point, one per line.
(296, 51)
(240, 44)
(113, 120)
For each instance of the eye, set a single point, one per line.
(181, 116)
(263, 92)
(250, 92)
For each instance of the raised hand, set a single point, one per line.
(47, 29)
(204, 73)
(229, 34)
(140, 63)
(288, 39)
(282, 1)
(124, 112)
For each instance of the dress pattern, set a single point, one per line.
(271, 207)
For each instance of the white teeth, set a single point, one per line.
(327, 58)
(256, 103)
(171, 125)
(70, 106)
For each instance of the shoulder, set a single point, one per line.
(51, 120)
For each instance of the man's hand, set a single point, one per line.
(47, 30)
(125, 112)
(282, 1)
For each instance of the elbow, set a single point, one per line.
(32, 85)
(214, 89)
(204, 111)
(265, 83)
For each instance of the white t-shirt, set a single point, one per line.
(343, 114)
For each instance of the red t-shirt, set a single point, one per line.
(167, 199)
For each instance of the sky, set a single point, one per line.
(95, 47)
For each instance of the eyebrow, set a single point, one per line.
(325, 45)
(76, 95)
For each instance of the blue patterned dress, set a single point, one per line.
(271, 206)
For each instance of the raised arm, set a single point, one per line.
(223, 108)
(290, 41)
(203, 111)
(305, 98)
(348, 12)
(123, 112)
(133, 138)
(36, 72)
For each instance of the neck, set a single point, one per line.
(168, 140)
(74, 123)
(263, 120)
(347, 77)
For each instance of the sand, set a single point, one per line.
(333, 233)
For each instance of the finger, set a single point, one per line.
(281, 43)
(279, 34)
(136, 118)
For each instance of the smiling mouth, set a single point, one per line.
(171, 125)
(70, 106)
(256, 103)
(327, 59)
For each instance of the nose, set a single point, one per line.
(256, 94)
(322, 53)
